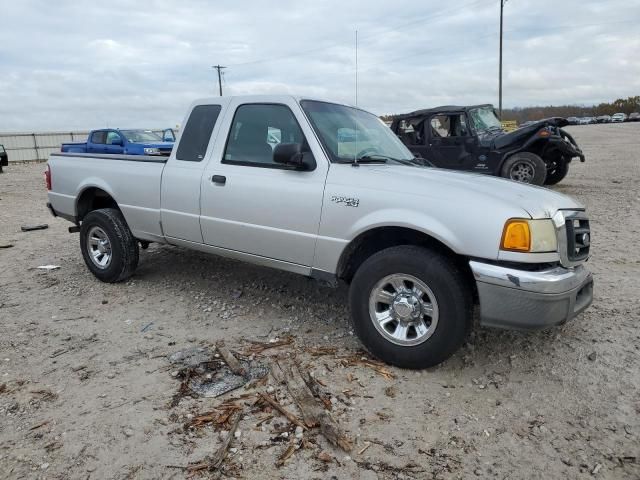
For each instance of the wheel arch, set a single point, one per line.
(91, 198)
(379, 238)
(535, 146)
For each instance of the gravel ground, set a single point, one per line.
(87, 391)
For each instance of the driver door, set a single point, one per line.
(450, 140)
(250, 204)
(115, 142)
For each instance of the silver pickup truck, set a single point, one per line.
(328, 191)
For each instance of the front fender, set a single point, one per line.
(414, 220)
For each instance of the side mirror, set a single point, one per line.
(291, 154)
(117, 142)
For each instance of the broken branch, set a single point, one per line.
(230, 360)
(290, 416)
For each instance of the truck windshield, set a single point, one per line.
(140, 136)
(484, 118)
(349, 134)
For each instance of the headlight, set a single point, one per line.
(151, 151)
(534, 236)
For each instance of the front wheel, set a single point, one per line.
(525, 167)
(557, 172)
(108, 246)
(411, 307)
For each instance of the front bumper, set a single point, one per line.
(525, 300)
(568, 146)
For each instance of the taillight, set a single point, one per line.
(47, 177)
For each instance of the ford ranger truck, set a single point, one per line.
(328, 191)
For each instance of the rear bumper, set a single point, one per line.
(524, 300)
(53, 212)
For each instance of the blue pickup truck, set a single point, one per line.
(127, 142)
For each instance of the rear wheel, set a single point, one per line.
(557, 172)
(108, 246)
(411, 307)
(525, 167)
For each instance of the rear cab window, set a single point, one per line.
(99, 137)
(197, 133)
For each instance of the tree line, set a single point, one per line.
(623, 105)
(523, 114)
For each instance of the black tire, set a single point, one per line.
(525, 167)
(122, 247)
(453, 302)
(557, 173)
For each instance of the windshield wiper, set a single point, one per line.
(366, 159)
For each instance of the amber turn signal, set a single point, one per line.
(516, 236)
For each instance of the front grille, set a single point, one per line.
(578, 239)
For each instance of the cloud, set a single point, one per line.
(83, 65)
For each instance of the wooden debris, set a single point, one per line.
(218, 457)
(312, 412)
(259, 347)
(230, 360)
(318, 351)
(375, 365)
(382, 416)
(320, 382)
(364, 449)
(282, 459)
(325, 457)
(265, 419)
(410, 467)
(46, 395)
(41, 424)
(290, 416)
(219, 417)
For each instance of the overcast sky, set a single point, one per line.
(69, 64)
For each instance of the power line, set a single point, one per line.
(219, 68)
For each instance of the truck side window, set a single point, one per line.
(99, 137)
(255, 132)
(197, 133)
(453, 125)
(113, 137)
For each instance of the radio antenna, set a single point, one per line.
(356, 68)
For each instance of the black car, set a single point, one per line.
(471, 138)
(4, 158)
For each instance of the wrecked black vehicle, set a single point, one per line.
(472, 139)
(4, 158)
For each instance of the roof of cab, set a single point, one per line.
(443, 109)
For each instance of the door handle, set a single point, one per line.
(219, 179)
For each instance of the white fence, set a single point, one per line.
(36, 146)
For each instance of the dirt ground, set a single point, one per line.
(87, 391)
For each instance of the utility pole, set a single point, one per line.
(219, 68)
(502, 2)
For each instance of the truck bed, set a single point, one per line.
(133, 179)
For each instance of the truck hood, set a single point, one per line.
(502, 139)
(536, 201)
